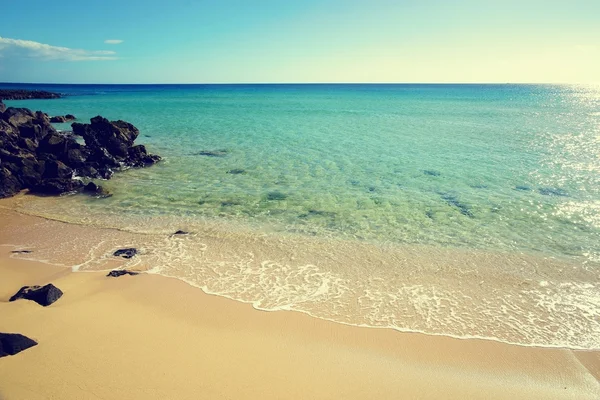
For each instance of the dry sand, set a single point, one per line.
(150, 337)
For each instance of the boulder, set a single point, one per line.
(96, 190)
(17, 116)
(13, 343)
(58, 119)
(2, 106)
(9, 184)
(70, 117)
(120, 272)
(43, 295)
(125, 253)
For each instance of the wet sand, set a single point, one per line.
(151, 337)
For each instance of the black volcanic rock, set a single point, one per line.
(35, 156)
(22, 94)
(54, 187)
(2, 106)
(13, 343)
(9, 184)
(96, 190)
(111, 143)
(125, 253)
(43, 295)
(120, 272)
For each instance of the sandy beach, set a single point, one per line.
(147, 336)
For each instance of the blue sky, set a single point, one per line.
(231, 41)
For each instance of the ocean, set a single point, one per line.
(459, 210)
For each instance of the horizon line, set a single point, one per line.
(308, 83)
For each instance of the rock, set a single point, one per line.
(96, 190)
(22, 94)
(58, 119)
(44, 295)
(120, 272)
(9, 184)
(2, 106)
(62, 119)
(553, 192)
(17, 116)
(57, 144)
(125, 253)
(57, 170)
(275, 196)
(453, 201)
(21, 251)
(236, 171)
(138, 157)
(111, 143)
(181, 233)
(76, 158)
(35, 156)
(431, 172)
(13, 343)
(523, 188)
(212, 153)
(56, 186)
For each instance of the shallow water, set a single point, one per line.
(467, 210)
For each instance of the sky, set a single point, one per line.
(288, 41)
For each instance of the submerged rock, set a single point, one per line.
(14, 343)
(236, 171)
(125, 253)
(212, 153)
(43, 295)
(553, 192)
(120, 272)
(276, 196)
(431, 172)
(522, 188)
(453, 201)
(318, 213)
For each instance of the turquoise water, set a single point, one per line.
(506, 169)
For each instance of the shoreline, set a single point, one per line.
(186, 316)
(148, 336)
(86, 237)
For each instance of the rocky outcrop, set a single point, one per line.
(22, 94)
(35, 156)
(120, 272)
(2, 106)
(13, 343)
(110, 145)
(43, 295)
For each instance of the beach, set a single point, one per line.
(148, 336)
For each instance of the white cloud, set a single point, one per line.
(30, 49)
(113, 41)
